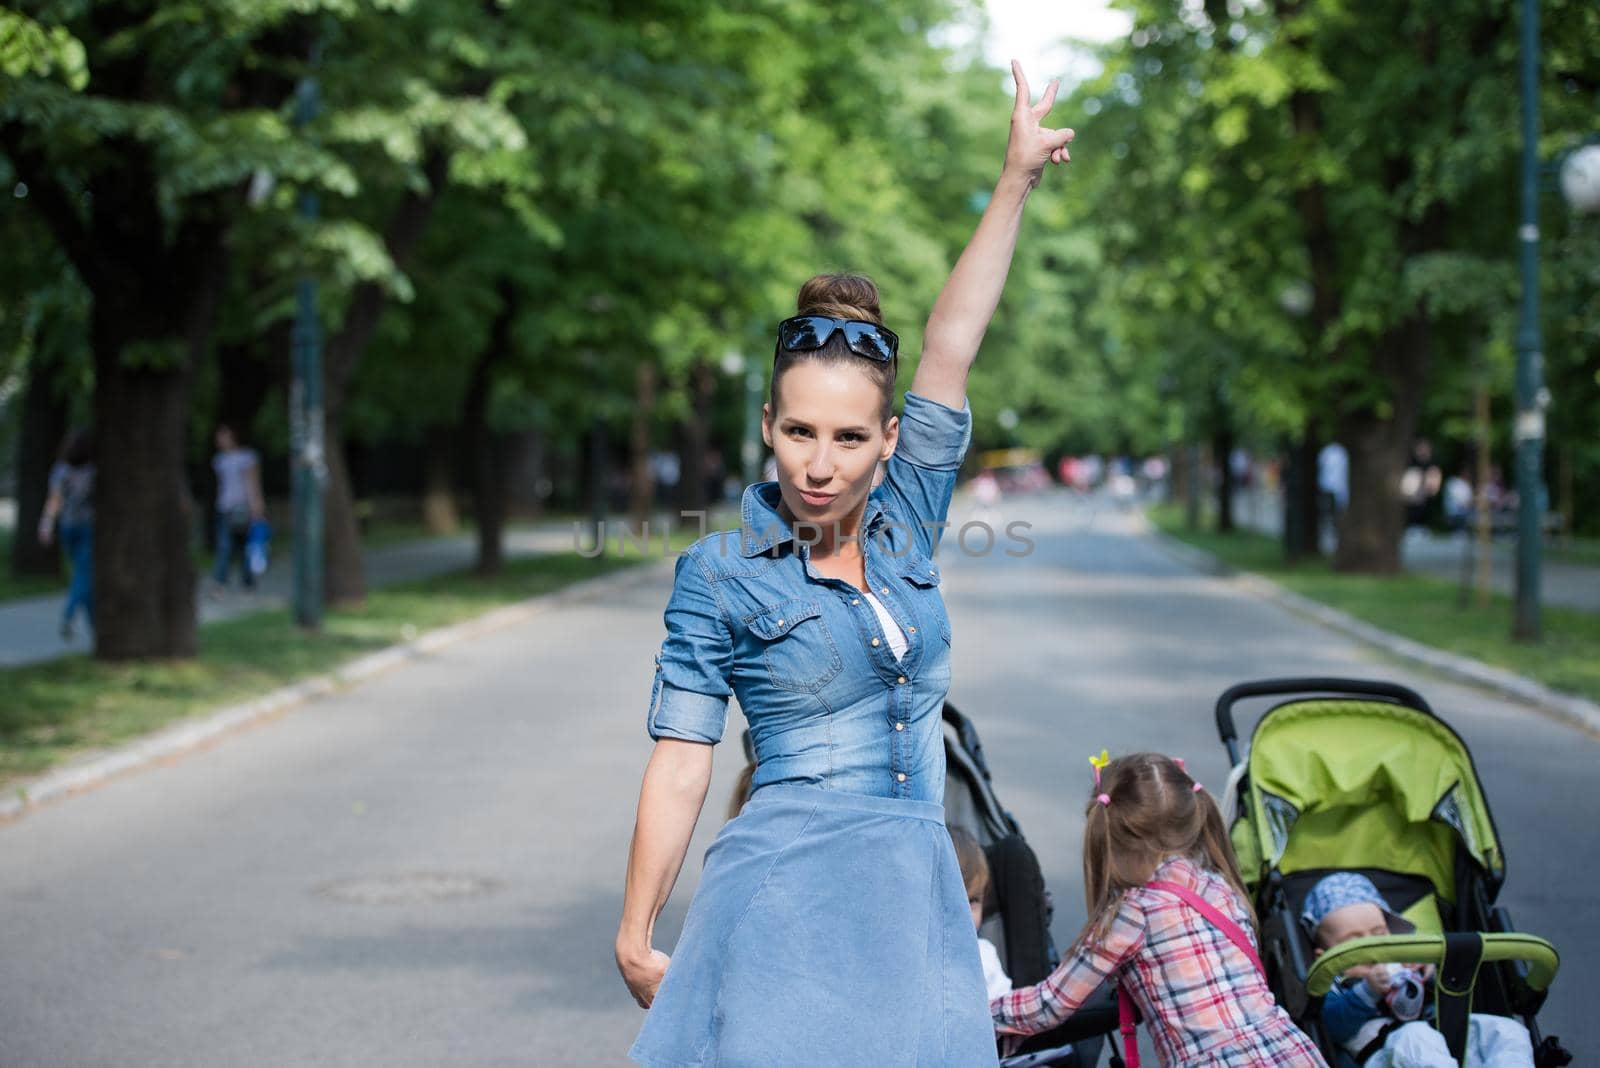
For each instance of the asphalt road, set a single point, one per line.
(427, 869)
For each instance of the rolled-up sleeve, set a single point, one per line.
(690, 697)
(921, 475)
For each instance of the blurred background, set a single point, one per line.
(325, 324)
(458, 266)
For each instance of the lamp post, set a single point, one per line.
(750, 447)
(1528, 430)
(306, 447)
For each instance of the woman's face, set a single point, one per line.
(828, 438)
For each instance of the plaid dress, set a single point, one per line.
(1203, 1001)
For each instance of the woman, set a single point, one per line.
(830, 925)
(70, 503)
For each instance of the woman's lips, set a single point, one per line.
(817, 500)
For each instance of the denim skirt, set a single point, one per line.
(828, 929)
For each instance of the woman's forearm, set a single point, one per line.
(670, 799)
(51, 509)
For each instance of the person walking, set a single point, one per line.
(831, 924)
(239, 503)
(69, 505)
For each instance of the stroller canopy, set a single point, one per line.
(1342, 783)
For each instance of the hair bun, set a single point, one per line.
(842, 296)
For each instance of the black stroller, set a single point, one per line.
(1017, 912)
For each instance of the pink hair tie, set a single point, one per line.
(1198, 787)
(1179, 761)
(1104, 799)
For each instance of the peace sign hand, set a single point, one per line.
(1031, 146)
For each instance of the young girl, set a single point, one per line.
(1202, 996)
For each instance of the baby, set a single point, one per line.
(1382, 1005)
(975, 874)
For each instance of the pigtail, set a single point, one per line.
(1219, 852)
(1102, 897)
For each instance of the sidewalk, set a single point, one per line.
(28, 627)
(1440, 555)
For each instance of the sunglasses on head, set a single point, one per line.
(806, 332)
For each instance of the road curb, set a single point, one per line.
(1578, 711)
(179, 738)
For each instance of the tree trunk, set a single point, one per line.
(44, 425)
(1191, 500)
(144, 517)
(487, 447)
(1379, 446)
(343, 579)
(1369, 538)
(489, 502)
(1178, 473)
(642, 483)
(1222, 449)
(343, 573)
(697, 440)
(1301, 502)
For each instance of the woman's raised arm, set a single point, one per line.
(966, 304)
(670, 800)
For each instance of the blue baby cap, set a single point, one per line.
(1347, 888)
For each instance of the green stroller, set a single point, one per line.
(1346, 774)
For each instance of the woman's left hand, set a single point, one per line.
(1031, 145)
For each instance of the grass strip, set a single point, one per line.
(1421, 607)
(52, 710)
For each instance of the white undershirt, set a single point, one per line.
(891, 629)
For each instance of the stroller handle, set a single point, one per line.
(1306, 686)
(1541, 957)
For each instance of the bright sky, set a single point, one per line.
(1033, 30)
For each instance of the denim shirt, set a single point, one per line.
(827, 702)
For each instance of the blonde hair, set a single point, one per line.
(1153, 810)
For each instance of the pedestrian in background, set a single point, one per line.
(70, 504)
(239, 503)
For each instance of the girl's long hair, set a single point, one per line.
(1154, 812)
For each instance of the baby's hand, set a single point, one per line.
(1378, 980)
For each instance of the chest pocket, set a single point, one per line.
(798, 648)
(923, 576)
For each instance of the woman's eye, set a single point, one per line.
(798, 432)
(852, 439)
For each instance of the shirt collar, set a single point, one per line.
(763, 527)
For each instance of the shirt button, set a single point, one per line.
(899, 726)
(856, 600)
(876, 643)
(780, 622)
(913, 630)
(901, 680)
(901, 777)
(884, 590)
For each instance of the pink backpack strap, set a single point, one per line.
(1218, 920)
(1128, 1026)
